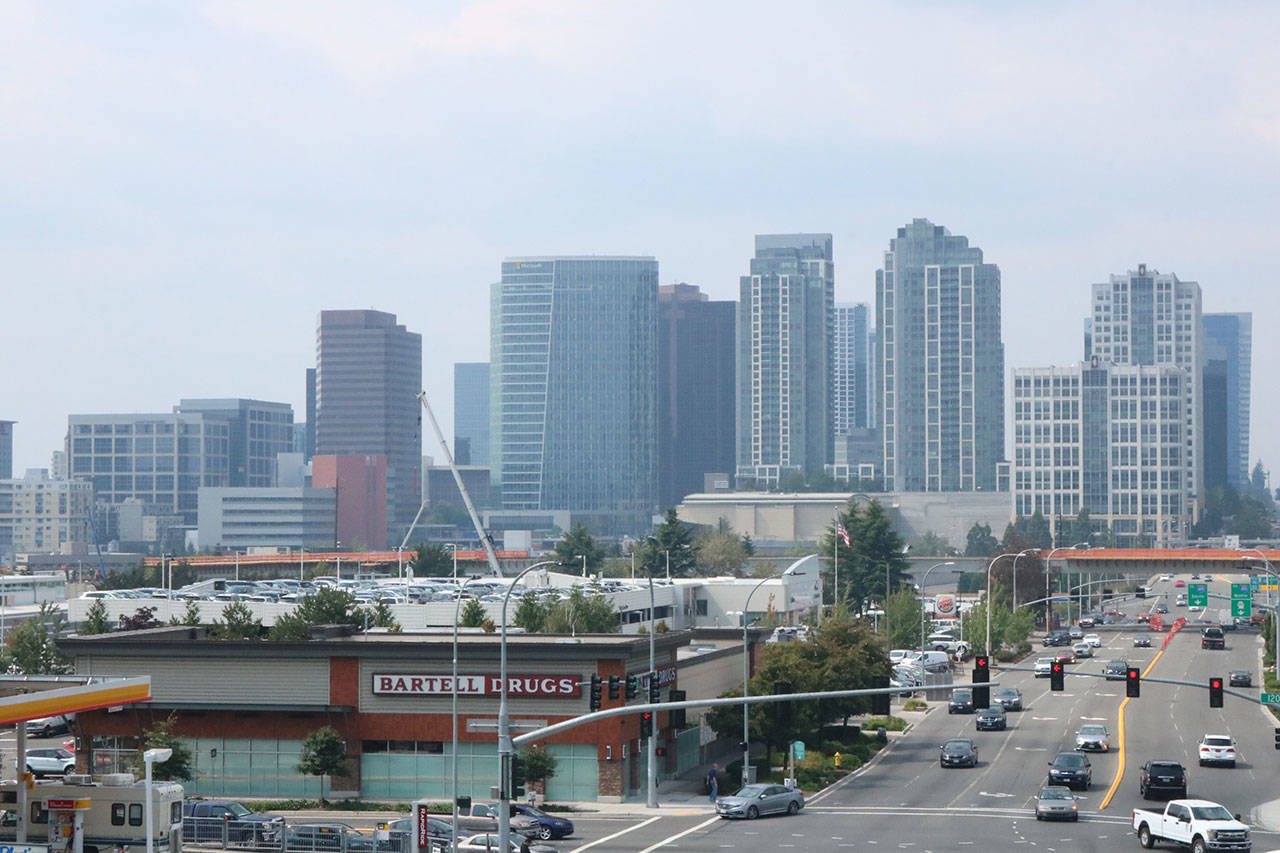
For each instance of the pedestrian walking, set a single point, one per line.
(713, 781)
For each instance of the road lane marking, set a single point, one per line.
(1115, 783)
(664, 842)
(590, 844)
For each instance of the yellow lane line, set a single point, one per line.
(1115, 783)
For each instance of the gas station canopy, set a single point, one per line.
(31, 697)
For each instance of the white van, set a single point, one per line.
(935, 661)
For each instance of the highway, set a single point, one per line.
(904, 801)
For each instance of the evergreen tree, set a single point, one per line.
(432, 561)
(531, 613)
(191, 613)
(31, 648)
(582, 614)
(980, 542)
(671, 538)
(239, 623)
(473, 614)
(873, 560)
(181, 766)
(96, 621)
(576, 544)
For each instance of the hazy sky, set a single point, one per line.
(185, 185)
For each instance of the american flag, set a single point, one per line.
(842, 533)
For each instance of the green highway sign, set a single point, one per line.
(1270, 698)
(1254, 582)
(797, 747)
(1240, 592)
(1241, 607)
(1197, 595)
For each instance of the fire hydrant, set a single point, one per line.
(837, 759)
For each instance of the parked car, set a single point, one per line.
(57, 761)
(752, 801)
(488, 843)
(404, 827)
(213, 821)
(1056, 802)
(328, 838)
(46, 726)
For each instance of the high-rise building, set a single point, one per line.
(786, 335)
(39, 513)
(696, 384)
(6, 449)
(160, 459)
(1105, 438)
(574, 384)
(1228, 366)
(308, 448)
(940, 363)
(853, 388)
(358, 483)
(471, 413)
(1145, 318)
(368, 377)
(259, 431)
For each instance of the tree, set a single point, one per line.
(432, 561)
(671, 538)
(582, 613)
(473, 614)
(933, 545)
(531, 613)
(181, 766)
(378, 616)
(539, 765)
(239, 623)
(872, 560)
(326, 606)
(142, 618)
(31, 648)
(1008, 628)
(576, 544)
(96, 621)
(980, 542)
(904, 618)
(323, 754)
(191, 613)
(721, 554)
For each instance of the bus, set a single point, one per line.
(112, 821)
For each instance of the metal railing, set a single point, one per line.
(283, 837)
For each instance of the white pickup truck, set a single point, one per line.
(1199, 824)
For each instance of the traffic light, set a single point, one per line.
(1132, 682)
(780, 712)
(981, 672)
(1215, 692)
(880, 701)
(633, 684)
(595, 693)
(517, 777)
(1278, 738)
(1056, 675)
(655, 689)
(615, 687)
(646, 723)
(676, 717)
(660, 751)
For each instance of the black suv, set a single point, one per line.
(1056, 638)
(1116, 670)
(1163, 777)
(1071, 769)
(961, 701)
(1213, 638)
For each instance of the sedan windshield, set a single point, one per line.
(1092, 730)
(1211, 813)
(750, 791)
(956, 745)
(1070, 760)
(1055, 793)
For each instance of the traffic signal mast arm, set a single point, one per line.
(735, 701)
(1181, 682)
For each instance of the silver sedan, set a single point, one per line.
(752, 801)
(1055, 802)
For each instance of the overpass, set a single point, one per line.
(1157, 560)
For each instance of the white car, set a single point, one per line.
(1166, 577)
(1093, 737)
(1044, 667)
(1093, 640)
(1217, 749)
(50, 761)
(1082, 650)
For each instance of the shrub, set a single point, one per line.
(892, 724)
(914, 704)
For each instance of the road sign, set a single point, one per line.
(1197, 595)
(797, 750)
(1254, 582)
(1240, 592)
(1270, 698)
(1241, 608)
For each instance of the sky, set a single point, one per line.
(186, 185)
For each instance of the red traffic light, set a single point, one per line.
(1215, 683)
(661, 751)
(647, 716)
(1057, 666)
(980, 661)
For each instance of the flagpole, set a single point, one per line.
(835, 565)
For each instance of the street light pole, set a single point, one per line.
(1275, 613)
(651, 771)
(150, 757)
(746, 670)
(923, 582)
(1079, 546)
(453, 845)
(1015, 578)
(504, 722)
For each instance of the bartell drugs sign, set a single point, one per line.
(430, 684)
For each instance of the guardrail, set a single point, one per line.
(285, 837)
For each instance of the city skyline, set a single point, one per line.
(315, 171)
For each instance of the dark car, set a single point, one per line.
(218, 821)
(1142, 641)
(958, 752)
(1116, 670)
(549, 826)
(1240, 678)
(1160, 608)
(961, 701)
(328, 838)
(1071, 769)
(1009, 698)
(1056, 638)
(990, 719)
(1163, 777)
(1213, 638)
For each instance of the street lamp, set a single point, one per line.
(746, 669)
(150, 757)
(1079, 546)
(504, 722)
(583, 557)
(456, 609)
(1015, 576)
(923, 582)
(1275, 613)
